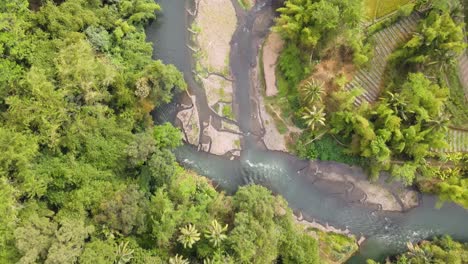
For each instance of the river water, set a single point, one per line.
(386, 232)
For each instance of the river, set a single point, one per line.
(386, 232)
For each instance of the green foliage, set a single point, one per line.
(336, 247)
(98, 252)
(262, 229)
(324, 148)
(290, 65)
(438, 44)
(450, 183)
(403, 124)
(7, 222)
(227, 111)
(440, 250)
(305, 23)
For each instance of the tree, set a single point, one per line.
(68, 242)
(34, 237)
(188, 236)
(438, 42)
(7, 221)
(98, 252)
(311, 92)
(18, 151)
(124, 211)
(215, 233)
(313, 118)
(178, 260)
(40, 108)
(123, 254)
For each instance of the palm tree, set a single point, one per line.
(178, 260)
(209, 261)
(311, 92)
(123, 254)
(313, 117)
(215, 233)
(189, 235)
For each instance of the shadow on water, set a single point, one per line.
(387, 232)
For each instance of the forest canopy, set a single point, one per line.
(85, 176)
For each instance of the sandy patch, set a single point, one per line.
(271, 50)
(221, 142)
(217, 21)
(190, 123)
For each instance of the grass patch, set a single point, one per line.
(227, 111)
(380, 8)
(237, 143)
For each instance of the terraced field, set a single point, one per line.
(458, 141)
(463, 74)
(386, 41)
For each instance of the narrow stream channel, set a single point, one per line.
(386, 232)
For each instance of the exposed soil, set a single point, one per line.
(330, 68)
